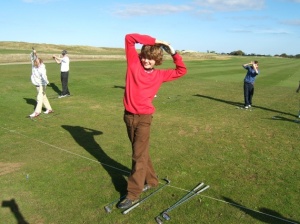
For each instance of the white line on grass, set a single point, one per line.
(236, 205)
(240, 206)
(53, 146)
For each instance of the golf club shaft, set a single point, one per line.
(187, 199)
(193, 191)
(145, 198)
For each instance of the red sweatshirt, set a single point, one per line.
(142, 85)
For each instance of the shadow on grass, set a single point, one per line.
(55, 88)
(281, 118)
(263, 214)
(14, 208)
(120, 87)
(241, 105)
(85, 138)
(30, 102)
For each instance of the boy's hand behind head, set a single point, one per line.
(169, 49)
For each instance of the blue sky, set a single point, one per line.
(253, 26)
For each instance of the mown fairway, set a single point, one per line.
(65, 167)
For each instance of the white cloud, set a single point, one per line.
(240, 31)
(296, 1)
(38, 1)
(231, 5)
(199, 7)
(295, 22)
(259, 31)
(144, 9)
(270, 31)
(250, 18)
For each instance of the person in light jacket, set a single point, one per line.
(40, 81)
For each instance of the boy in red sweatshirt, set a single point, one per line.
(142, 84)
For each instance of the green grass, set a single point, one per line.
(78, 159)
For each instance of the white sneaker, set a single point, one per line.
(246, 107)
(61, 96)
(34, 114)
(48, 111)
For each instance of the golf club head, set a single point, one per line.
(166, 216)
(107, 209)
(158, 220)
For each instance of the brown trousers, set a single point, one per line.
(142, 172)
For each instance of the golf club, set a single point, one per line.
(108, 207)
(158, 220)
(147, 197)
(190, 193)
(185, 198)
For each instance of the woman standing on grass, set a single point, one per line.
(40, 80)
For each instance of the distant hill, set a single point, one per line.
(18, 52)
(22, 47)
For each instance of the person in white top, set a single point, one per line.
(64, 72)
(40, 80)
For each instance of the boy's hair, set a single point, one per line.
(152, 52)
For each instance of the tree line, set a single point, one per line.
(241, 53)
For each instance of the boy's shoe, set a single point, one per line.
(126, 203)
(48, 111)
(34, 114)
(246, 107)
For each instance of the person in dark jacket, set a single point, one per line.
(252, 72)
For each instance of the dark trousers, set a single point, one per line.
(248, 93)
(138, 130)
(64, 77)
